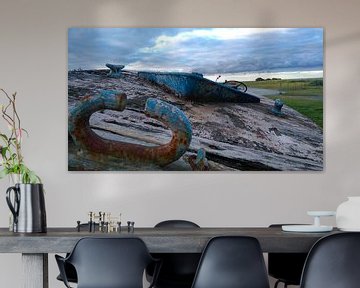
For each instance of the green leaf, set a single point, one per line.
(26, 132)
(4, 137)
(28, 176)
(33, 178)
(3, 151)
(4, 173)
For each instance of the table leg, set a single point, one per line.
(35, 270)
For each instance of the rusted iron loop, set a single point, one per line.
(129, 153)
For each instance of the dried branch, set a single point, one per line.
(12, 159)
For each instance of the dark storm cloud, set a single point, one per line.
(204, 50)
(93, 47)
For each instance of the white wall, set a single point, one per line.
(33, 62)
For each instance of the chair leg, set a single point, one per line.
(279, 281)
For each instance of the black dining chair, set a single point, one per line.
(232, 262)
(286, 267)
(333, 262)
(178, 269)
(108, 263)
(70, 271)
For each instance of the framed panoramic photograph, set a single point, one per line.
(195, 99)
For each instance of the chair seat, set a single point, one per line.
(70, 274)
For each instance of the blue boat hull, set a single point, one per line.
(192, 86)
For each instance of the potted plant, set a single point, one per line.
(26, 197)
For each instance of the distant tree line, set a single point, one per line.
(317, 82)
(267, 79)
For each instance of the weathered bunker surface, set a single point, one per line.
(193, 87)
(235, 136)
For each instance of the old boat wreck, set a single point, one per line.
(181, 121)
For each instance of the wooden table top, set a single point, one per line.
(158, 240)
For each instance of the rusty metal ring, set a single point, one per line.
(171, 116)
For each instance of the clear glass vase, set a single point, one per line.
(14, 179)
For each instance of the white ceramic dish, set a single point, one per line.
(306, 228)
(321, 213)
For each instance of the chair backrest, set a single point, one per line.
(232, 262)
(177, 269)
(176, 224)
(110, 262)
(333, 262)
(286, 266)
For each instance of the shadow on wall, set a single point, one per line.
(344, 39)
(131, 14)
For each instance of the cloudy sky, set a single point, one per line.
(204, 50)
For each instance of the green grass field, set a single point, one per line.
(311, 108)
(303, 95)
(295, 87)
